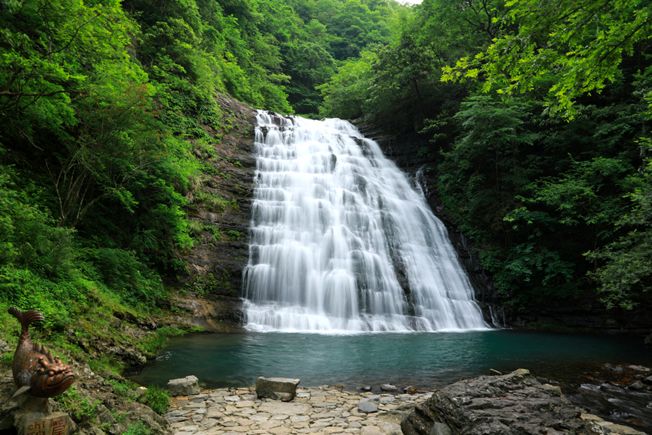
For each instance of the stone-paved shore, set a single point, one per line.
(318, 410)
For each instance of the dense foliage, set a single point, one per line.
(537, 114)
(92, 180)
(106, 105)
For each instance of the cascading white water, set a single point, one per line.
(341, 242)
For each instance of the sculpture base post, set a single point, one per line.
(35, 418)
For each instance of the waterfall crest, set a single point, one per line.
(341, 242)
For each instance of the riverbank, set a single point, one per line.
(326, 409)
(512, 403)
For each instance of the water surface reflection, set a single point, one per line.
(417, 359)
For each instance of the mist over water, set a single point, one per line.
(341, 242)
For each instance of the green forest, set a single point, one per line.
(534, 116)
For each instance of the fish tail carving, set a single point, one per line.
(26, 318)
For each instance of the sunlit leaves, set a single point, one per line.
(573, 48)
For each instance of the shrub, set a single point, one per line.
(124, 273)
(138, 428)
(79, 407)
(157, 399)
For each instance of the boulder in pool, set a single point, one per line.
(188, 386)
(283, 389)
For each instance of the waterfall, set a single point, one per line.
(340, 242)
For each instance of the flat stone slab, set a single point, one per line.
(284, 389)
(187, 386)
(367, 406)
(275, 408)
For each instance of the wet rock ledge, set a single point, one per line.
(516, 403)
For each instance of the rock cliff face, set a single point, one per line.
(219, 211)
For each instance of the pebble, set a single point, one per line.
(388, 388)
(314, 410)
(410, 390)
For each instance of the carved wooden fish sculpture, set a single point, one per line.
(35, 370)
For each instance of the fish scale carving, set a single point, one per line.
(36, 372)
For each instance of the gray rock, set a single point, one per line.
(367, 406)
(365, 388)
(514, 403)
(596, 425)
(200, 398)
(636, 386)
(187, 386)
(277, 388)
(285, 397)
(648, 380)
(616, 369)
(7, 406)
(440, 429)
(388, 388)
(7, 409)
(4, 347)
